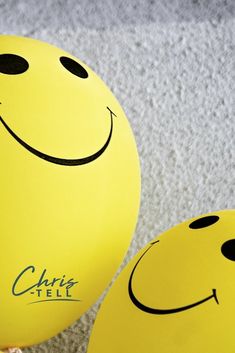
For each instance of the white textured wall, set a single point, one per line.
(171, 65)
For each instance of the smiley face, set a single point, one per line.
(177, 295)
(46, 125)
(157, 311)
(11, 64)
(227, 250)
(70, 188)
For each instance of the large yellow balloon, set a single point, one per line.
(70, 186)
(176, 295)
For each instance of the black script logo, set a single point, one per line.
(44, 287)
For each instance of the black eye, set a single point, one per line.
(228, 249)
(12, 64)
(203, 222)
(74, 67)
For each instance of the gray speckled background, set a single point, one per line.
(171, 65)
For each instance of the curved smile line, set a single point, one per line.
(156, 311)
(63, 161)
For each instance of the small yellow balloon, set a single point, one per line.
(70, 187)
(176, 295)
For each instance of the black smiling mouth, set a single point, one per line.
(63, 161)
(156, 311)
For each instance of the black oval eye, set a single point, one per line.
(228, 249)
(12, 64)
(74, 67)
(203, 222)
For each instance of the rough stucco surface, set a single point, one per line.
(171, 66)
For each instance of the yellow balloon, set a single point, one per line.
(70, 186)
(176, 295)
